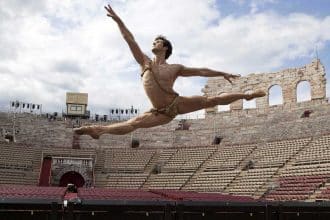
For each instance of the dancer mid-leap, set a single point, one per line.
(158, 78)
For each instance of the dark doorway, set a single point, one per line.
(72, 177)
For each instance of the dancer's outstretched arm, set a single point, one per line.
(127, 35)
(189, 71)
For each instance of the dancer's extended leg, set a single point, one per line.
(146, 120)
(194, 103)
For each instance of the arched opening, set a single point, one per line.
(73, 178)
(303, 91)
(251, 104)
(275, 96)
(223, 108)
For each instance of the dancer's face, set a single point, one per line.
(158, 45)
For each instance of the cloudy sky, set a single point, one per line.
(50, 47)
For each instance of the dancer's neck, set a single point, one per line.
(159, 60)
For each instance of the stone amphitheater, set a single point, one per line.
(278, 152)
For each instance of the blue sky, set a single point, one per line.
(318, 8)
(52, 47)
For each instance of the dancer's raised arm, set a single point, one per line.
(189, 71)
(127, 35)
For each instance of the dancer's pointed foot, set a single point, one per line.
(255, 94)
(94, 131)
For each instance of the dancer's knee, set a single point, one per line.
(210, 102)
(205, 102)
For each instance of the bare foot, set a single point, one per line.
(255, 94)
(94, 131)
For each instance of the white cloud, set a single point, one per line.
(254, 5)
(261, 42)
(51, 47)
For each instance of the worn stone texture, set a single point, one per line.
(237, 126)
(288, 79)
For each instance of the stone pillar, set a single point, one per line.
(238, 105)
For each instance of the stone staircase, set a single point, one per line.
(152, 162)
(269, 185)
(99, 163)
(234, 181)
(200, 169)
(149, 168)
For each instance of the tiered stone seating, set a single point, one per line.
(68, 152)
(195, 196)
(325, 193)
(300, 181)
(166, 154)
(318, 152)
(229, 157)
(114, 194)
(121, 180)
(313, 169)
(32, 192)
(248, 182)
(188, 159)
(179, 165)
(127, 160)
(167, 180)
(214, 169)
(37, 130)
(12, 176)
(276, 154)
(11, 157)
(215, 181)
(155, 195)
(297, 187)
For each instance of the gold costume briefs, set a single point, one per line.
(172, 109)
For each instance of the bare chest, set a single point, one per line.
(164, 74)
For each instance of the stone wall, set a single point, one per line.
(237, 126)
(287, 79)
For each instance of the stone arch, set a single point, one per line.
(223, 108)
(76, 169)
(303, 91)
(275, 95)
(72, 177)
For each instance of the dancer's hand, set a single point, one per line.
(228, 77)
(111, 13)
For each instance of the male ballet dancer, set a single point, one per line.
(158, 78)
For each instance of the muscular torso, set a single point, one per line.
(166, 75)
